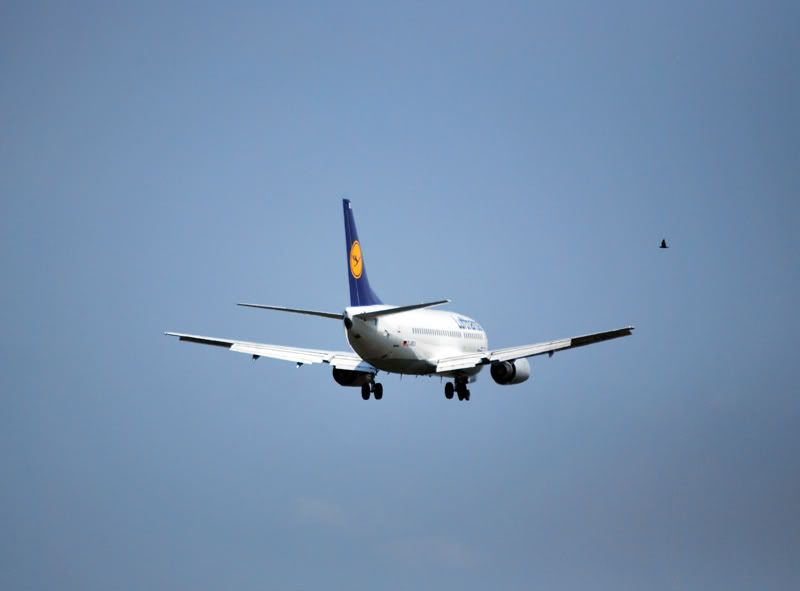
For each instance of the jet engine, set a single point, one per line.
(349, 377)
(510, 372)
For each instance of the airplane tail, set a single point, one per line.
(361, 293)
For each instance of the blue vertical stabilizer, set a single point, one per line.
(361, 293)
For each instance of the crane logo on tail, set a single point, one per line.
(356, 260)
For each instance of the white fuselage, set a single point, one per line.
(412, 342)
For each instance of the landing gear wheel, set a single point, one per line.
(365, 391)
(466, 395)
(448, 390)
(377, 391)
(461, 390)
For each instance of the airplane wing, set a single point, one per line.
(472, 359)
(337, 359)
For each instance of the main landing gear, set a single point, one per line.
(460, 388)
(374, 387)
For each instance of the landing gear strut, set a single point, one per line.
(374, 387)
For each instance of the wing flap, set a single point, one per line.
(601, 336)
(284, 353)
(352, 362)
(200, 340)
(460, 362)
(529, 350)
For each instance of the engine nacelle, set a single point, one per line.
(506, 373)
(349, 377)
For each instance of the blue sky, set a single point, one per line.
(161, 162)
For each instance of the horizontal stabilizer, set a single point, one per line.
(296, 311)
(398, 309)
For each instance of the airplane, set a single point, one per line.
(407, 340)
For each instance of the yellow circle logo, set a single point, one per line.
(356, 261)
